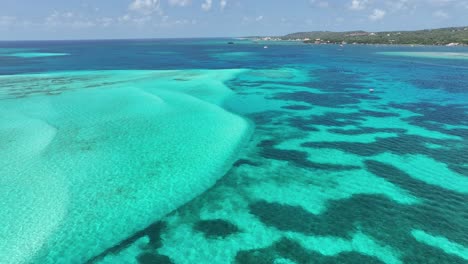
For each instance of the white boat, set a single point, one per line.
(265, 47)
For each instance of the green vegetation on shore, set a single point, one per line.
(442, 36)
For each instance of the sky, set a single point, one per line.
(116, 19)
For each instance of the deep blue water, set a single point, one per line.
(195, 54)
(333, 173)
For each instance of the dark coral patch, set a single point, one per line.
(281, 217)
(404, 180)
(340, 87)
(292, 250)
(378, 114)
(217, 228)
(336, 119)
(299, 158)
(386, 221)
(325, 99)
(151, 258)
(461, 168)
(453, 153)
(270, 152)
(295, 218)
(353, 258)
(303, 124)
(448, 209)
(431, 113)
(402, 144)
(435, 117)
(153, 232)
(338, 80)
(429, 255)
(365, 130)
(266, 117)
(297, 107)
(449, 81)
(459, 132)
(241, 162)
(256, 256)
(328, 119)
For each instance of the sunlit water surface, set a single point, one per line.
(196, 151)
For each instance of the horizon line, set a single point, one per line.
(114, 39)
(219, 37)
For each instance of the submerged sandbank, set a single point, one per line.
(431, 55)
(35, 54)
(93, 157)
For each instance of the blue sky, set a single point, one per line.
(97, 19)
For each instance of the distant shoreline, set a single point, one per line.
(452, 37)
(357, 44)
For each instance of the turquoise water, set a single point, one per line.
(195, 151)
(35, 54)
(434, 55)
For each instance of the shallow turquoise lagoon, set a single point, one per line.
(433, 55)
(35, 54)
(199, 151)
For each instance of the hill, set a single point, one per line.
(442, 36)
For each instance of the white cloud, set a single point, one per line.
(222, 4)
(377, 14)
(54, 18)
(207, 5)
(141, 21)
(7, 21)
(68, 19)
(105, 21)
(129, 19)
(249, 20)
(318, 3)
(82, 24)
(443, 2)
(180, 2)
(323, 4)
(145, 6)
(168, 23)
(185, 22)
(449, 3)
(358, 4)
(440, 14)
(399, 4)
(124, 18)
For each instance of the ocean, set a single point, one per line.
(200, 151)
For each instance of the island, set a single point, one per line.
(453, 36)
